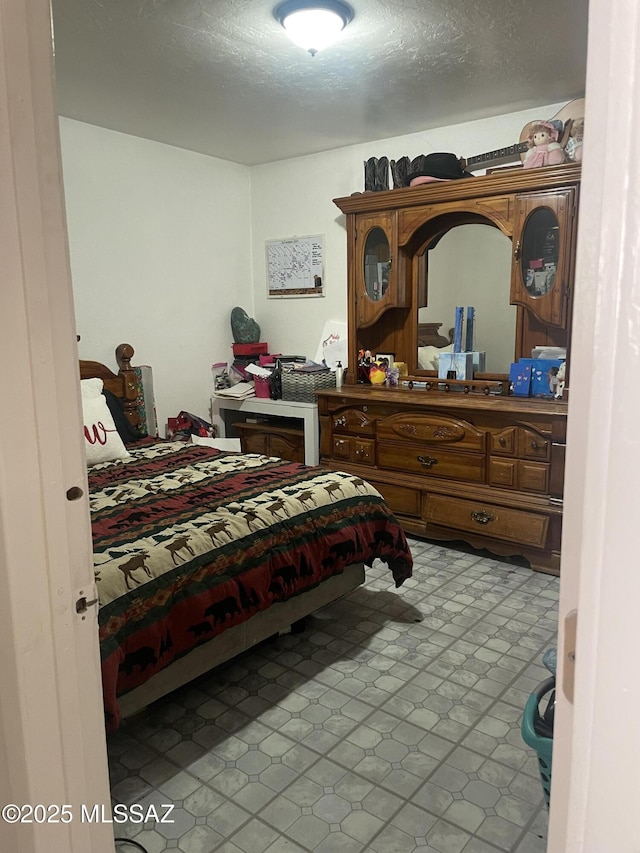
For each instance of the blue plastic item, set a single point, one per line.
(534, 721)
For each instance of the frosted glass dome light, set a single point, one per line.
(313, 25)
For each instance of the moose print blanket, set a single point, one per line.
(189, 541)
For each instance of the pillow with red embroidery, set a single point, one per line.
(102, 442)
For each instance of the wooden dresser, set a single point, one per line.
(461, 459)
(486, 470)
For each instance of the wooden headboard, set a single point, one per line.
(428, 335)
(123, 384)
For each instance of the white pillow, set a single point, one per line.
(102, 443)
(429, 356)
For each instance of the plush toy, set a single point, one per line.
(574, 143)
(560, 379)
(377, 374)
(544, 148)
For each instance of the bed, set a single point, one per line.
(430, 344)
(200, 553)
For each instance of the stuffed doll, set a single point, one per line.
(574, 143)
(544, 148)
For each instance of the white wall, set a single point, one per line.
(294, 198)
(165, 242)
(160, 253)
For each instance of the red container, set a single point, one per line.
(250, 349)
(262, 387)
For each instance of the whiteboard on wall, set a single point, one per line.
(295, 267)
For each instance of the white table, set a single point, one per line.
(224, 411)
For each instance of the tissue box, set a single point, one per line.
(458, 363)
(520, 379)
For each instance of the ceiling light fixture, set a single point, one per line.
(313, 24)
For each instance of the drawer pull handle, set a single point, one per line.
(427, 461)
(340, 422)
(535, 445)
(502, 441)
(482, 517)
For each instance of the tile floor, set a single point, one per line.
(390, 725)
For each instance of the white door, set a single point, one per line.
(595, 787)
(52, 742)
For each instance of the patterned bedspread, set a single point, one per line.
(189, 541)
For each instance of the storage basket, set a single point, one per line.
(298, 387)
(542, 745)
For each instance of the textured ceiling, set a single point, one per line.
(221, 76)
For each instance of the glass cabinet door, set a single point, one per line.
(377, 264)
(542, 240)
(376, 275)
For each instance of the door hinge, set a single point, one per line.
(569, 654)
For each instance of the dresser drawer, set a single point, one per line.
(519, 474)
(504, 441)
(503, 472)
(532, 445)
(341, 448)
(353, 421)
(352, 449)
(433, 429)
(432, 461)
(512, 525)
(533, 477)
(400, 500)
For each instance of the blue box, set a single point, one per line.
(520, 379)
(543, 372)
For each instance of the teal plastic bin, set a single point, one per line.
(532, 723)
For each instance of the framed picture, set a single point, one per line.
(386, 359)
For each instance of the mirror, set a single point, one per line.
(470, 265)
(376, 264)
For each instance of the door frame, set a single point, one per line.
(51, 698)
(594, 799)
(52, 735)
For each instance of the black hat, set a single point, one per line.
(439, 167)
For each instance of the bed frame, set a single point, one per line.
(429, 335)
(124, 384)
(277, 619)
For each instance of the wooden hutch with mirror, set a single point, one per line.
(460, 459)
